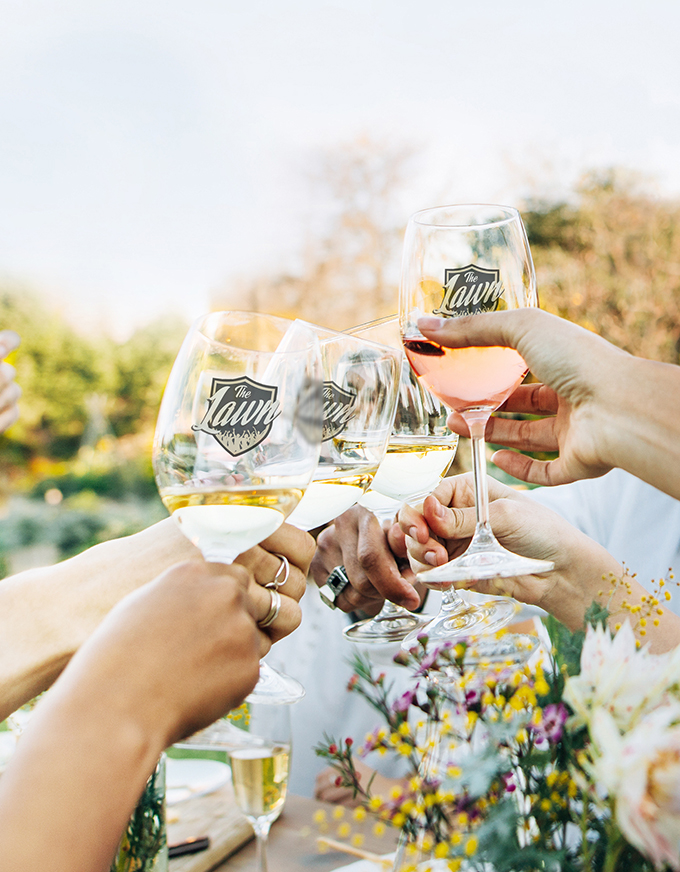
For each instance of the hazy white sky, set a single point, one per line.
(151, 149)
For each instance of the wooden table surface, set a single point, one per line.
(292, 839)
(293, 846)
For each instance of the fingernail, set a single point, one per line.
(431, 558)
(413, 533)
(438, 509)
(430, 322)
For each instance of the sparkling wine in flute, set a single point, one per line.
(466, 378)
(260, 779)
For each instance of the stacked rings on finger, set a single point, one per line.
(284, 569)
(336, 582)
(274, 609)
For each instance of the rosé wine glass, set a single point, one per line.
(462, 260)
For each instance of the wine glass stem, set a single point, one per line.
(476, 420)
(261, 838)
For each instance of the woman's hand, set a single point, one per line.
(287, 552)
(594, 398)
(444, 527)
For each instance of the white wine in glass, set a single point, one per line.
(238, 436)
(360, 380)
(460, 261)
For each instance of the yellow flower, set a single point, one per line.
(471, 846)
(379, 828)
(359, 813)
(375, 803)
(399, 820)
(344, 830)
(441, 850)
(455, 839)
(338, 812)
(319, 816)
(404, 728)
(358, 840)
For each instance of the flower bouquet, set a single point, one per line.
(572, 764)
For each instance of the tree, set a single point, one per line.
(349, 267)
(611, 263)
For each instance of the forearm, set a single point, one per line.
(641, 422)
(73, 782)
(48, 613)
(601, 579)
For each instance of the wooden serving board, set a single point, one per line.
(215, 816)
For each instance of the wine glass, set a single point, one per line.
(360, 381)
(462, 260)
(237, 438)
(420, 450)
(259, 769)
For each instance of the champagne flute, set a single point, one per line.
(360, 381)
(462, 260)
(420, 450)
(260, 767)
(237, 438)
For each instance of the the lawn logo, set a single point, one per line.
(240, 413)
(469, 290)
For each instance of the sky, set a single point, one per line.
(152, 151)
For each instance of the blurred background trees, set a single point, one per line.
(77, 468)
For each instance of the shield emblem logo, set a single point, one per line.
(240, 413)
(338, 409)
(470, 289)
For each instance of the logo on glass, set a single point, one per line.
(469, 290)
(240, 413)
(338, 409)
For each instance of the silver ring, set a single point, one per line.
(275, 584)
(336, 582)
(274, 609)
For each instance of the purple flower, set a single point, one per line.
(405, 701)
(552, 722)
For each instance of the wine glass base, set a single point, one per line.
(275, 687)
(387, 628)
(466, 620)
(483, 565)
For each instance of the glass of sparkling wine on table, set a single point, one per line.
(464, 260)
(419, 451)
(259, 769)
(360, 380)
(238, 436)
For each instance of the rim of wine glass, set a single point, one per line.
(202, 319)
(336, 335)
(508, 213)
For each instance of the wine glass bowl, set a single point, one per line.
(360, 382)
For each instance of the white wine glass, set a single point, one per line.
(360, 381)
(237, 438)
(260, 768)
(419, 452)
(462, 260)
